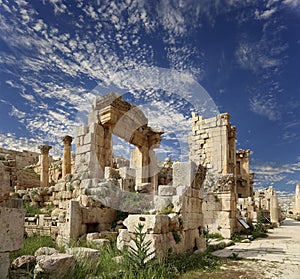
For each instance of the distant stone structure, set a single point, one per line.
(297, 201)
(267, 201)
(44, 161)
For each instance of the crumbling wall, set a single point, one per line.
(182, 229)
(244, 178)
(266, 199)
(20, 167)
(213, 145)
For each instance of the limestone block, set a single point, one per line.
(161, 202)
(4, 265)
(184, 173)
(123, 239)
(192, 220)
(54, 266)
(82, 130)
(11, 229)
(154, 224)
(192, 240)
(82, 253)
(174, 224)
(60, 187)
(26, 262)
(164, 190)
(100, 243)
(183, 190)
(92, 236)
(86, 183)
(45, 251)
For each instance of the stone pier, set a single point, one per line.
(66, 164)
(297, 200)
(44, 160)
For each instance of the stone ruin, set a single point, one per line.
(296, 210)
(176, 203)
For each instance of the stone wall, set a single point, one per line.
(244, 178)
(20, 167)
(182, 229)
(266, 199)
(213, 145)
(12, 223)
(297, 200)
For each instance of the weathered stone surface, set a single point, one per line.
(53, 266)
(83, 253)
(184, 173)
(91, 236)
(45, 251)
(123, 239)
(156, 224)
(24, 262)
(100, 243)
(164, 190)
(4, 265)
(143, 187)
(11, 229)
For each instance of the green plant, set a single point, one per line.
(31, 210)
(176, 236)
(31, 244)
(167, 210)
(140, 257)
(234, 256)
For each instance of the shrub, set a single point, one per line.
(31, 210)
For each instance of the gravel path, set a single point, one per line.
(277, 256)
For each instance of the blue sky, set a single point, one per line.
(170, 58)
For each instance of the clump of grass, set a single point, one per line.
(185, 263)
(31, 210)
(31, 244)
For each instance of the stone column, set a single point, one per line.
(44, 165)
(274, 211)
(66, 163)
(297, 199)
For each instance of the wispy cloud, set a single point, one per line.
(265, 105)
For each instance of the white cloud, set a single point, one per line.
(265, 14)
(265, 106)
(292, 3)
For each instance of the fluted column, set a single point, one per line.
(66, 163)
(44, 178)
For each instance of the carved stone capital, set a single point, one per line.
(44, 149)
(67, 140)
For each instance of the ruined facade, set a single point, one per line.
(266, 200)
(213, 145)
(297, 200)
(244, 178)
(112, 115)
(19, 167)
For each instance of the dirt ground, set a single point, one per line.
(248, 269)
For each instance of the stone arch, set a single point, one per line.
(112, 115)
